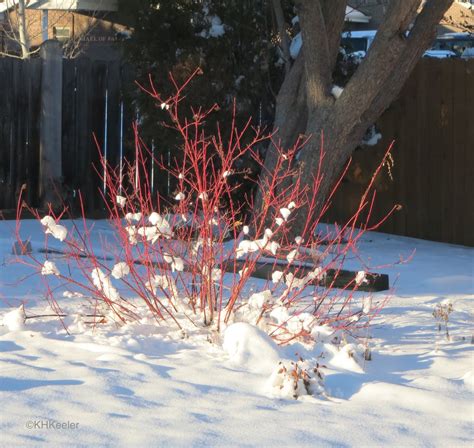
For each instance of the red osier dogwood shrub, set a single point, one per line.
(192, 256)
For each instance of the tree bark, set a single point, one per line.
(375, 84)
(289, 122)
(22, 31)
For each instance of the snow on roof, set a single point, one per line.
(356, 16)
(360, 34)
(456, 36)
(81, 5)
(439, 54)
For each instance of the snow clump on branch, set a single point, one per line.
(56, 230)
(49, 268)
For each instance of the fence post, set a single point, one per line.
(50, 169)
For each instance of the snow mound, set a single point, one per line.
(468, 380)
(251, 348)
(346, 358)
(15, 320)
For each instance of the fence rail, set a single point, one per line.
(431, 123)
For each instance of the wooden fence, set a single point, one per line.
(93, 103)
(20, 95)
(432, 123)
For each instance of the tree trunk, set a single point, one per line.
(22, 31)
(305, 104)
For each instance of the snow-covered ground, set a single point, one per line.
(143, 385)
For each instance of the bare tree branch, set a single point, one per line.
(422, 33)
(380, 61)
(403, 53)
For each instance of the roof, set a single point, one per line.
(459, 17)
(76, 5)
(356, 16)
(352, 14)
(448, 36)
(360, 34)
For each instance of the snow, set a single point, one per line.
(161, 224)
(356, 16)
(366, 305)
(14, 320)
(162, 281)
(360, 278)
(372, 138)
(336, 91)
(103, 283)
(277, 276)
(466, 4)
(120, 270)
(285, 212)
(217, 28)
(56, 230)
(133, 217)
(49, 268)
(176, 263)
(295, 45)
(291, 380)
(292, 255)
(439, 54)
(121, 200)
(144, 384)
(250, 348)
(258, 299)
(248, 246)
(468, 53)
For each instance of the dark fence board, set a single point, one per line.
(83, 126)
(431, 123)
(468, 175)
(70, 150)
(34, 110)
(113, 112)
